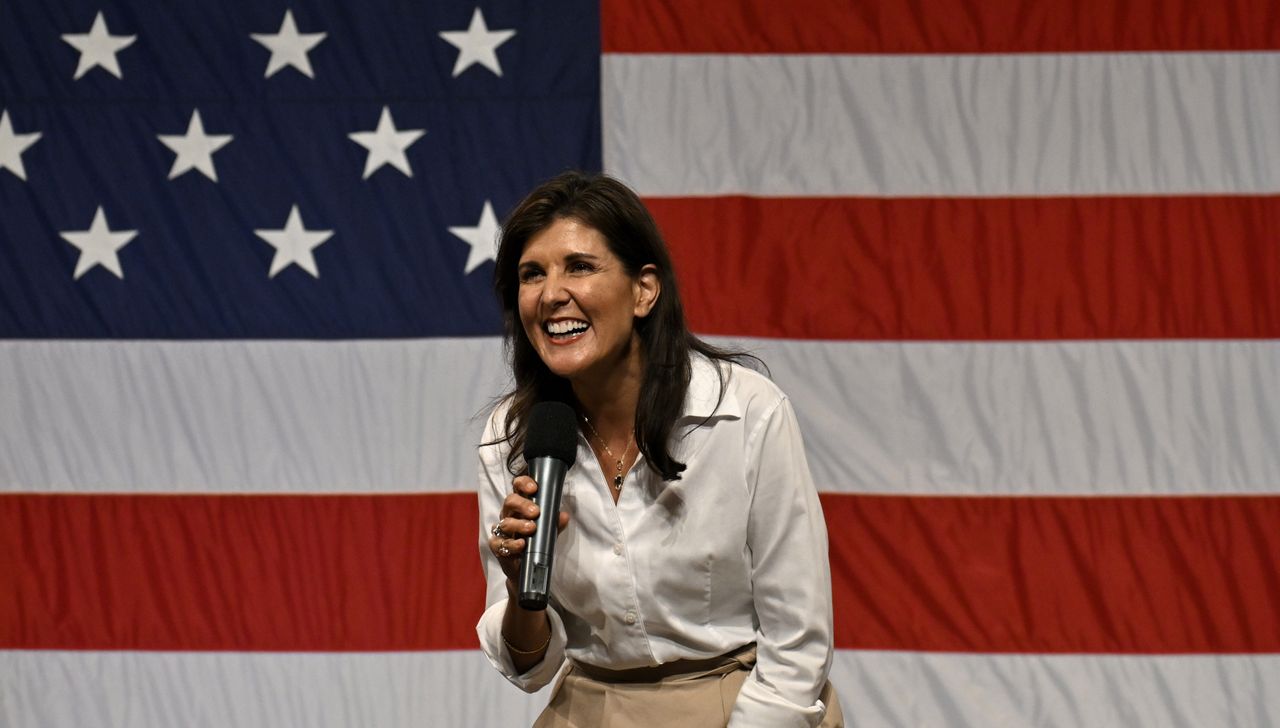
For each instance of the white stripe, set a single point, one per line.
(258, 690)
(944, 125)
(389, 690)
(254, 416)
(907, 690)
(1122, 417)
(1125, 417)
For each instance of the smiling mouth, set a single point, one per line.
(561, 331)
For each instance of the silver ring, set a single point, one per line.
(504, 551)
(497, 530)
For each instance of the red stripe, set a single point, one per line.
(285, 573)
(401, 573)
(940, 26)
(978, 268)
(1128, 575)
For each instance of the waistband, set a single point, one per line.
(743, 658)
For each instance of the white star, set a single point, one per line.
(294, 244)
(98, 245)
(13, 145)
(289, 47)
(195, 148)
(477, 44)
(386, 145)
(98, 47)
(483, 238)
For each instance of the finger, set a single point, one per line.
(513, 527)
(506, 548)
(517, 506)
(524, 485)
(564, 520)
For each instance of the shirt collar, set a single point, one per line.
(703, 398)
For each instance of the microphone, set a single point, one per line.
(550, 448)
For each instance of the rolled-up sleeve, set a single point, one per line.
(494, 483)
(790, 581)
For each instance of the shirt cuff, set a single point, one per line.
(760, 707)
(489, 629)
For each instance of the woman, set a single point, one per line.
(690, 584)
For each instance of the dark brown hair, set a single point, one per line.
(610, 207)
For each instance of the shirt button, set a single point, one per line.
(617, 549)
(631, 618)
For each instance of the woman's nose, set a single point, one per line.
(554, 290)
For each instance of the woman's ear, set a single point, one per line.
(647, 288)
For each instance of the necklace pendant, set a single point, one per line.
(617, 482)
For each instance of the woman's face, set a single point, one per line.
(577, 302)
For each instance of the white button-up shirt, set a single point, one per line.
(734, 552)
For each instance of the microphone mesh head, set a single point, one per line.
(552, 432)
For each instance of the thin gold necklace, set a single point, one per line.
(618, 461)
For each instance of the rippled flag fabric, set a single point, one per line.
(226, 140)
(1013, 268)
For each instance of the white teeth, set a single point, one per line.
(563, 328)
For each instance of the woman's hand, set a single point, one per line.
(515, 525)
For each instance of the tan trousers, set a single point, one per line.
(684, 694)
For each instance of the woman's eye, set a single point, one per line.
(580, 267)
(530, 274)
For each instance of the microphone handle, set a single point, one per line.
(535, 569)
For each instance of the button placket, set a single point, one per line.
(623, 512)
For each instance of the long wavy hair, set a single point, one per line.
(610, 207)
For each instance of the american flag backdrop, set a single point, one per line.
(1016, 264)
